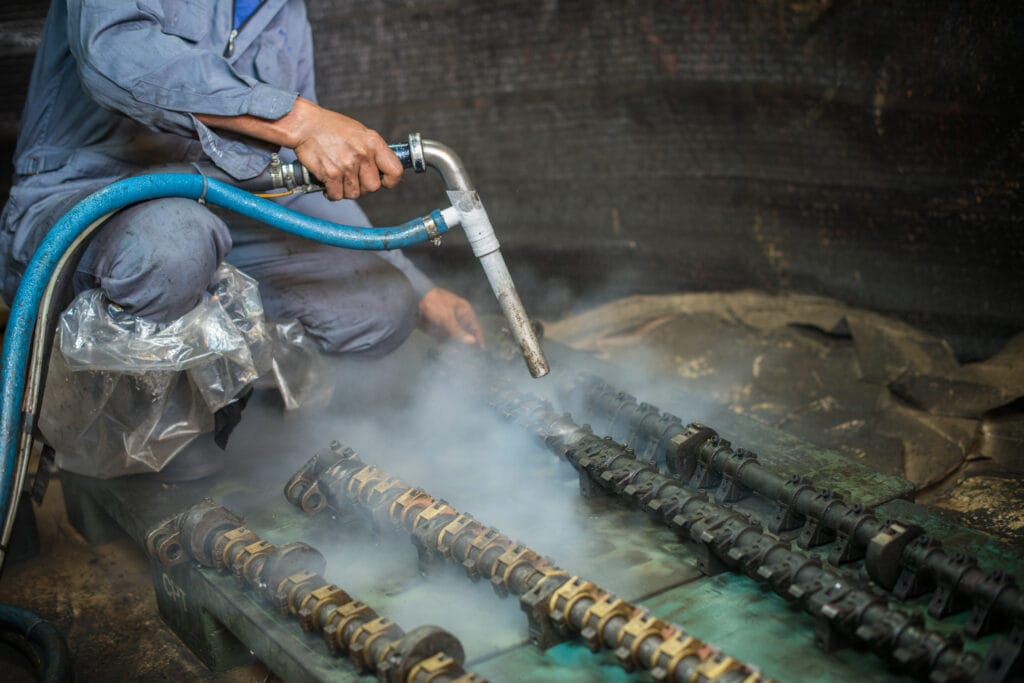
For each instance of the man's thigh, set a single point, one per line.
(155, 259)
(350, 301)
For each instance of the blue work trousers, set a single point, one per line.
(155, 259)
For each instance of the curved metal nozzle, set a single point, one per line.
(480, 233)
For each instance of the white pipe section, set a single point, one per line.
(480, 233)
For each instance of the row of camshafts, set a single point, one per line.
(558, 605)
(847, 610)
(289, 577)
(898, 556)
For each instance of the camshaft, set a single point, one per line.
(898, 556)
(844, 609)
(289, 577)
(558, 605)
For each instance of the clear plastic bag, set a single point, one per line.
(296, 367)
(96, 335)
(125, 395)
(107, 424)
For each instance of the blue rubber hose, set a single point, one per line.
(56, 660)
(62, 237)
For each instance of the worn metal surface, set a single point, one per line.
(384, 573)
(102, 599)
(211, 613)
(990, 552)
(620, 548)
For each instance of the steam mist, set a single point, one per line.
(410, 415)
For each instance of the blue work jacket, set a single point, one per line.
(114, 88)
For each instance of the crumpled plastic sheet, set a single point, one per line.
(294, 366)
(125, 395)
(211, 342)
(107, 424)
(878, 390)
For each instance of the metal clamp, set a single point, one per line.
(419, 163)
(228, 542)
(382, 488)
(601, 612)
(433, 668)
(286, 593)
(633, 634)
(319, 600)
(475, 550)
(450, 534)
(249, 562)
(339, 619)
(675, 650)
(566, 597)
(368, 476)
(406, 503)
(508, 562)
(432, 512)
(363, 638)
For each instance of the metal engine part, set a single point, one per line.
(557, 605)
(846, 611)
(289, 577)
(897, 555)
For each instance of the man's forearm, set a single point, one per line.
(284, 132)
(349, 158)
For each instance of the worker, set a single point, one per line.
(121, 86)
(118, 87)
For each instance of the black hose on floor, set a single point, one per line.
(41, 634)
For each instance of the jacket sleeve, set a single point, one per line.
(135, 60)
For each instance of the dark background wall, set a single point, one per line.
(866, 151)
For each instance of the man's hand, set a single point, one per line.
(452, 316)
(347, 157)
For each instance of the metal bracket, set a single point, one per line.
(730, 489)
(1005, 659)
(847, 548)
(787, 517)
(947, 599)
(163, 543)
(915, 578)
(984, 617)
(815, 531)
(536, 604)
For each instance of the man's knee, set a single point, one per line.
(157, 258)
(376, 321)
(396, 317)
